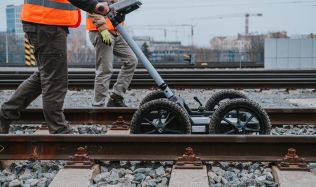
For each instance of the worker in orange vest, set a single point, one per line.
(45, 23)
(108, 42)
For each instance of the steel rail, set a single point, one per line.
(133, 147)
(278, 116)
(184, 78)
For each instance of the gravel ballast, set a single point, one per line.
(240, 174)
(30, 173)
(133, 174)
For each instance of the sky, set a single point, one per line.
(293, 16)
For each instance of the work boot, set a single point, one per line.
(4, 126)
(97, 105)
(116, 101)
(64, 131)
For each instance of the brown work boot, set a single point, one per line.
(4, 126)
(116, 101)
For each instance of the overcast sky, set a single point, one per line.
(294, 16)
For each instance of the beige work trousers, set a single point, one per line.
(104, 66)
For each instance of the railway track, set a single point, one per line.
(278, 116)
(81, 151)
(182, 78)
(140, 147)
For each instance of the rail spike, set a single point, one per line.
(292, 161)
(120, 124)
(81, 159)
(34, 155)
(189, 160)
(1, 148)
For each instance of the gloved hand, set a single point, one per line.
(97, 20)
(106, 37)
(102, 8)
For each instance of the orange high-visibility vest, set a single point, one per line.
(51, 12)
(91, 27)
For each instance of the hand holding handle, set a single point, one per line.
(102, 8)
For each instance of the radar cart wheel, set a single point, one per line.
(160, 116)
(240, 116)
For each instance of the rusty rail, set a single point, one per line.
(134, 147)
(294, 116)
(84, 116)
(105, 116)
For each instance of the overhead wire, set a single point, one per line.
(175, 5)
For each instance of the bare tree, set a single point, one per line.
(256, 48)
(79, 53)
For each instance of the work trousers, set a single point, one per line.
(104, 66)
(51, 79)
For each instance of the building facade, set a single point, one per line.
(165, 52)
(12, 41)
(14, 24)
(241, 48)
(290, 53)
(233, 43)
(230, 48)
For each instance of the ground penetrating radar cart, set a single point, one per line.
(162, 112)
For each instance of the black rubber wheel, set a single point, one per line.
(240, 116)
(160, 116)
(219, 97)
(157, 94)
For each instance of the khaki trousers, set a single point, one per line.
(104, 66)
(51, 79)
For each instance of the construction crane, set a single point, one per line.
(247, 15)
(247, 21)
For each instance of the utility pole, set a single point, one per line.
(191, 26)
(165, 34)
(192, 34)
(240, 58)
(6, 48)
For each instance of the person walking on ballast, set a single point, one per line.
(108, 42)
(45, 23)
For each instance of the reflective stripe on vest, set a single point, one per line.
(51, 12)
(51, 4)
(91, 27)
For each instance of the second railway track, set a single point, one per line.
(183, 78)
